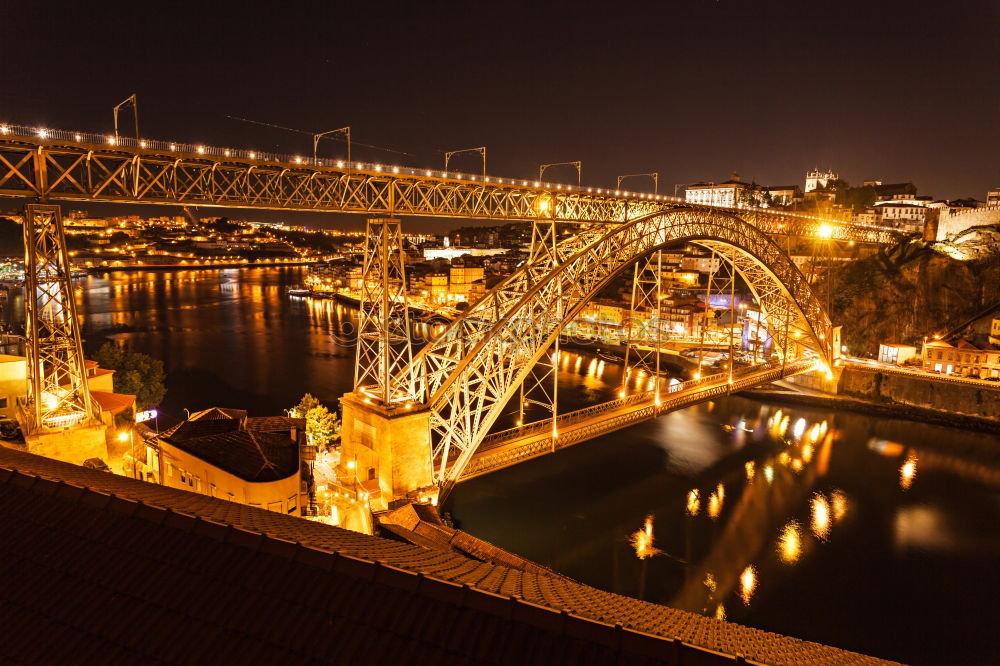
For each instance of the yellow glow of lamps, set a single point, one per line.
(543, 205)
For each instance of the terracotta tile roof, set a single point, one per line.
(274, 423)
(115, 403)
(250, 455)
(215, 413)
(101, 567)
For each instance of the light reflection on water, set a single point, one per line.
(794, 524)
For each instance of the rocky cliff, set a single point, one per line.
(916, 288)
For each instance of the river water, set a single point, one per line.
(867, 533)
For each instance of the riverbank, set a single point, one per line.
(96, 270)
(891, 410)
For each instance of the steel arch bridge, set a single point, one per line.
(467, 375)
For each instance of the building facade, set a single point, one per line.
(223, 453)
(962, 358)
(728, 194)
(817, 179)
(905, 216)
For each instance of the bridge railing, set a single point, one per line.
(546, 443)
(923, 374)
(112, 142)
(571, 418)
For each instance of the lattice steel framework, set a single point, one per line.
(541, 385)
(469, 372)
(57, 394)
(644, 344)
(721, 281)
(59, 166)
(383, 319)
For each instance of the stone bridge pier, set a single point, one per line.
(389, 448)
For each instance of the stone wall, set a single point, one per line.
(914, 391)
(950, 223)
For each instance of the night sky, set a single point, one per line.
(897, 91)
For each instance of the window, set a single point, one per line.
(371, 473)
(3, 402)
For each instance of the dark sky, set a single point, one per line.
(899, 91)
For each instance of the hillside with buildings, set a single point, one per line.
(914, 289)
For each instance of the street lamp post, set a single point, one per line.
(129, 435)
(133, 100)
(481, 150)
(347, 133)
(578, 164)
(655, 175)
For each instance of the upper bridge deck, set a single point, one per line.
(48, 164)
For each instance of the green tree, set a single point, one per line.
(752, 195)
(300, 410)
(321, 426)
(136, 374)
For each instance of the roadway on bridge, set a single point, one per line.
(510, 447)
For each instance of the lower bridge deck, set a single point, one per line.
(510, 447)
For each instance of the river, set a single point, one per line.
(867, 533)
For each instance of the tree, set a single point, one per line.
(136, 374)
(300, 410)
(751, 195)
(321, 426)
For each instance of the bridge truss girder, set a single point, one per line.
(468, 373)
(49, 169)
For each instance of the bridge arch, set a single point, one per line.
(467, 375)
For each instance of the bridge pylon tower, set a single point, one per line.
(57, 399)
(722, 283)
(644, 342)
(385, 432)
(541, 386)
(383, 318)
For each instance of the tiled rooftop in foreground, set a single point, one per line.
(102, 568)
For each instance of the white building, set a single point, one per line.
(784, 195)
(727, 194)
(454, 252)
(993, 197)
(701, 263)
(906, 216)
(816, 179)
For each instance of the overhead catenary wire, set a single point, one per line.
(331, 138)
